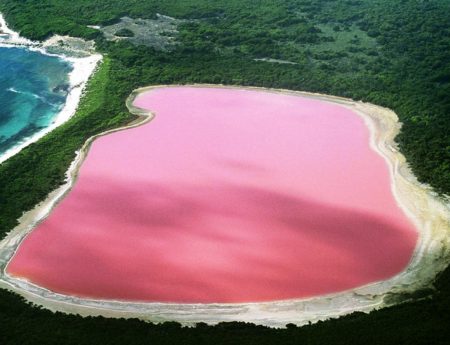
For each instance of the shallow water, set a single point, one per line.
(33, 89)
(226, 196)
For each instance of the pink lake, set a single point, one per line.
(227, 195)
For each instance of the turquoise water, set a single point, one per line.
(33, 89)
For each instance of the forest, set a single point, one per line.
(394, 54)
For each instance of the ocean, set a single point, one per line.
(33, 90)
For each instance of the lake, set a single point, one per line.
(228, 196)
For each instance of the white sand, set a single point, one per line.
(430, 214)
(82, 70)
(14, 37)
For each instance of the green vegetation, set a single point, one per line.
(395, 54)
(124, 33)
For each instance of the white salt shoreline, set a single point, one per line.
(83, 68)
(429, 214)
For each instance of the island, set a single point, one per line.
(366, 57)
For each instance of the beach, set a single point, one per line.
(83, 67)
(428, 212)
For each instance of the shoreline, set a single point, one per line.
(429, 214)
(82, 69)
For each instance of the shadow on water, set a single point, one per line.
(218, 242)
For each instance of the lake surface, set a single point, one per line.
(225, 196)
(33, 89)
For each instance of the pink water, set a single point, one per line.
(226, 196)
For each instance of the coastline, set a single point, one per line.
(83, 68)
(429, 214)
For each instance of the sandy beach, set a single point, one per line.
(83, 67)
(428, 212)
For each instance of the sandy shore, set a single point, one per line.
(13, 37)
(83, 67)
(430, 215)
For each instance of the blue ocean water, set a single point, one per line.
(33, 89)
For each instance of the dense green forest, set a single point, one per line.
(392, 53)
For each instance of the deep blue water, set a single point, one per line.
(33, 89)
